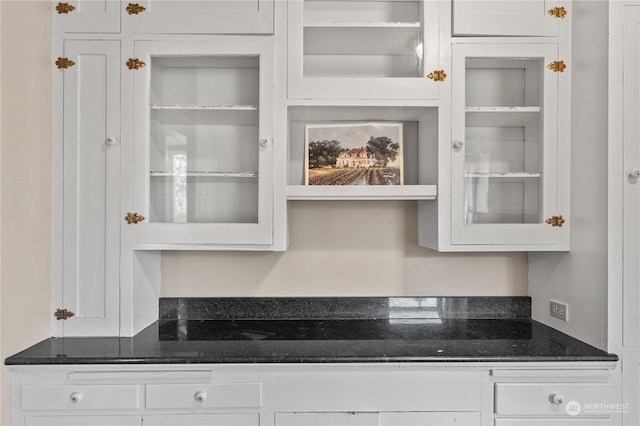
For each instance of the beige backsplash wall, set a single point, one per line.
(346, 248)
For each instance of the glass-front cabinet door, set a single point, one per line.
(203, 150)
(505, 147)
(383, 49)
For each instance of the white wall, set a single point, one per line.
(345, 248)
(579, 277)
(25, 176)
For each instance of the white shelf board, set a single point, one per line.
(502, 109)
(362, 192)
(342, 24)
(518, 175)
(205, 174)
(205, 107)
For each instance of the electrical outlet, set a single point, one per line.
(559, 310)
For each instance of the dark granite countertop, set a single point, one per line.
(326, 330)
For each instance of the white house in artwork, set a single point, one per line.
(356, 157)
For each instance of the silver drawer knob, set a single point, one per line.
(200, 397)
(458, 144)
(556, 399)
(111, 141)
(265, 142)
(634, 174)
(75, 397)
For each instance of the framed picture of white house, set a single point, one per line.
(354, 153)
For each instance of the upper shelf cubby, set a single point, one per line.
(363, 49)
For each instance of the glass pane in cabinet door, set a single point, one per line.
(203, 139)
(503, 131)
(362, 38)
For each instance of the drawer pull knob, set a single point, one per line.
(200, 397)
(75, 397)
(556, 399)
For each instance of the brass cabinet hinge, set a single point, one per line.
(64, 8)
(63, 314)
(64, 63)
(557, 66)
(135, 64)
(558, 12)
(133, 218)
(437, 75)
(555, 221)
(135, 8)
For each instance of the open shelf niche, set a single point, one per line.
(420, 137)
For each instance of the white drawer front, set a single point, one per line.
(378, 391)
(355, 418)
(81, 397)
(220, 395)
(248, 419)
(552, 422)
(535, 398)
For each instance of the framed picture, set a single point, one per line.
(353, 153)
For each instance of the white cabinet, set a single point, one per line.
(202, 16)
(364, 49)
(84, 421)
(203, 154)
(86, 255)
(551, 397)
(508, 18)
(508, 167)
(89, 16)
(354, 418)
(220, 419)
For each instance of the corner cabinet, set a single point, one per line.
(203, 143)
(505, 172)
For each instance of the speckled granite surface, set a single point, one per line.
(419, 330)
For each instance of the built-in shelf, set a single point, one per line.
(501, 175)
(502, 109)
(205, 174)
(206, 107)
(339, 24)
(362, 192)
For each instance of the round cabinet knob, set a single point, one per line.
(265, 142)
(111, 141)
(458, 145)
(75, 397)
(634, 174)
(556, 399)
(200, 397)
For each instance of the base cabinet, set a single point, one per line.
(420, 394)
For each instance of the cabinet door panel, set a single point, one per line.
(203, 153)
(631, 225)
(352, 418)
(245, 419)
(505, 154)
(91, 168)
(553, 422)
(205, 17)
(91, 16)
(510, 18)
(84, 421)
(430, 418)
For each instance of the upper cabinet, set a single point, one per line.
(89, 16)
(507, 18)
(364, 49)
(201, 16)
(508, 173)
(203, 150)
